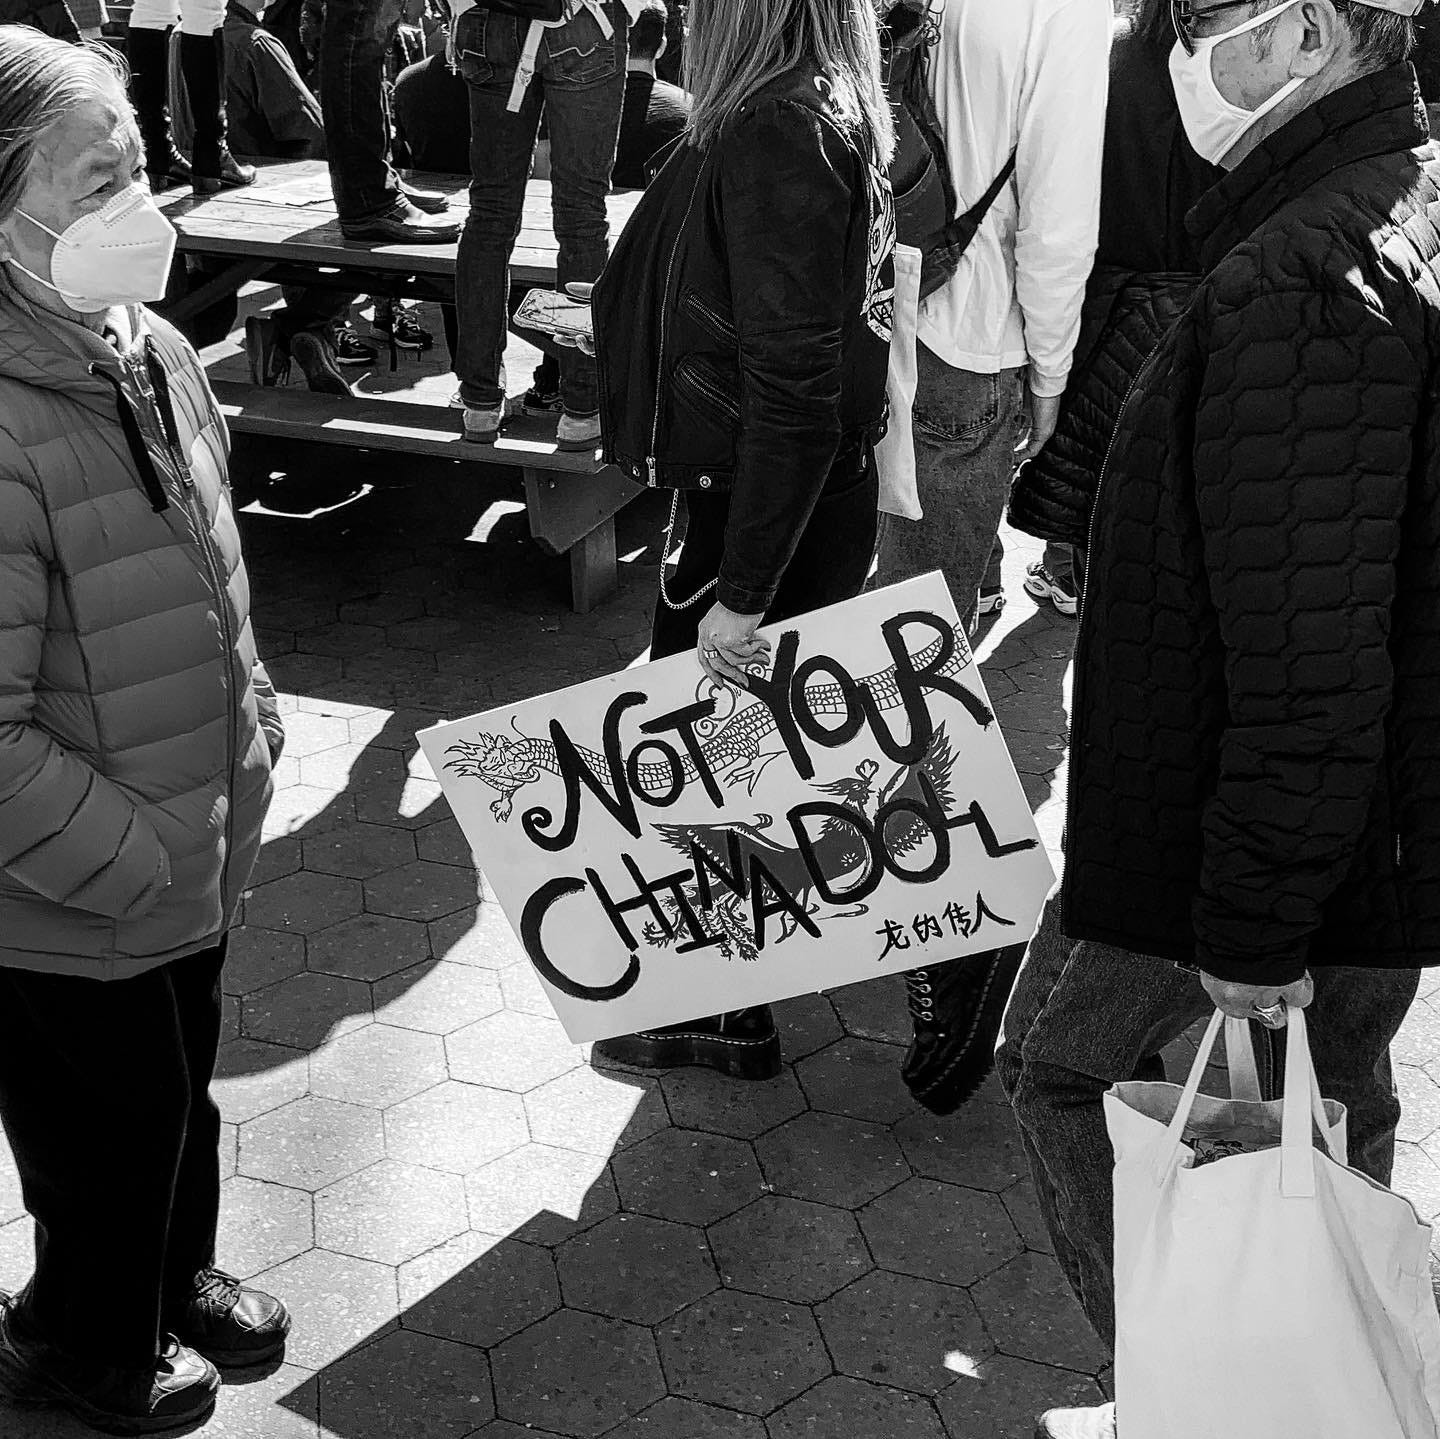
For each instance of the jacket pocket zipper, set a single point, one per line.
(709, 390)
(713, 321)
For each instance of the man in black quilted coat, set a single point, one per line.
(1254, 806)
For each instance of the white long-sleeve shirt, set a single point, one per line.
(1028, 77)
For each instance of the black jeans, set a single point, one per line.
(352, 95)
(830, 563)
(105, 1099)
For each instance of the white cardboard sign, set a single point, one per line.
(666, 849)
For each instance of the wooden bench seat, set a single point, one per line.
(571, 499)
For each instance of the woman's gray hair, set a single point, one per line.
(44, 79)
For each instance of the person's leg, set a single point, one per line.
(501, 143)
(583, 74)
(147, 51)
(357, 138)
(675, 626)
(1082, 1017)
(965, 427)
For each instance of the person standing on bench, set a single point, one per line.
(743, 332)
(572, 67)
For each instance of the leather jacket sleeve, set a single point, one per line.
(789, 186)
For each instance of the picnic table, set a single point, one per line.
(284, 230)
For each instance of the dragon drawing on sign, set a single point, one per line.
(836, 849)
(733, 747)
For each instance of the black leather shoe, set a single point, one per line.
(315, 355)
(404, 225)
(230, 174)
(742, 1044)
(433, 202)
(179, 1390)
(232, 1326)
(956, 1009)
(166, 173)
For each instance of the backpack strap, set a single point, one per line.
(970, 222)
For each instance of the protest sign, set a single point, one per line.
(666, 848)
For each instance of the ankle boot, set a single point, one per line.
(202, 61)
(148, 52)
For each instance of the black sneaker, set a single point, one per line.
(743, 1044)
(315, 355)
(350, 349)
(178, 1391)
(403, 328)
(956, 1009)
(542, 403)
(232, 1326)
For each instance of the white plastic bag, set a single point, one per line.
(1273, 1294)
(895, 454)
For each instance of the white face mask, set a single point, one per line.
(117, 255)
(1212, 124)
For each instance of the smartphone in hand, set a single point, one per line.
(555, 314)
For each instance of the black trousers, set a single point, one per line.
(830, 563)
(105, 1099)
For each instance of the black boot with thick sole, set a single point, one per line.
(742, 1044)
(202, 62)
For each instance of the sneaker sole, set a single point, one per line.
(991, 604)
(755, 1059)
(1066, 604)
(368, 360)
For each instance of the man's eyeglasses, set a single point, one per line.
(1184, 13)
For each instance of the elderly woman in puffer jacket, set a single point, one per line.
(137, 734)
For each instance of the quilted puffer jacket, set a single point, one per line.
(134, 766)
(1255, 762)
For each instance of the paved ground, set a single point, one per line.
(478, 1232)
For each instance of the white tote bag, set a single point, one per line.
(895, 454)
(1272, 1293)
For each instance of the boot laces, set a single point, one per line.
(217, 1287)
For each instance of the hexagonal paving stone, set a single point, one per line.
(277, 858)
(875, 1009)
(857, 1077)
(304, 807)
(789, 1249)
(311, 1143)
(688, 1176)
(636, 1268)
(445, 843)
(518, 1052)
(743, 1352)
(12, 1206)
(806, 1023)
(229, 1018)
(407, 1383)
(260, 957)
(336, 1302)
(576, 1373)
(1007, 1395)
(252, 1078)
(939, 1231)
(842, 1407)
(1419, 1104)
(304, 903)
(306, 1010)
(422, 890)
(370, 946)
(417, 804)
(436, 998)
(703, 1099)
(831, 1159)
(1418, 1041)
(1031, 1313)
(504, 1429)
(359, 851)
(307, 734)
(390, 1212)
(342, 639)
(540, 1194)
(378, 1065)
(284, 1404)
(595, 1113)
(455, 1127)
(17, 1253)
(1024, 1210)
(262, 1225)
(979, 1146)
(523, 992)
(895, 1329)
(422, 1276)
(229, 1149)
(483, 939)
(504, 1290)
(674, 1418)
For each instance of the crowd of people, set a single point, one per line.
(1179, 317)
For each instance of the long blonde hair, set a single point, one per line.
(736, 47)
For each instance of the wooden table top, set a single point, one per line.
(288, 214)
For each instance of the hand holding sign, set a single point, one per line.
(728, 645)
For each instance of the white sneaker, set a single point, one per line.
(483, 425)
(1096, 1423)
(573, 434)
(1044, 586)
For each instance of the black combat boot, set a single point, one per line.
(742, 1043)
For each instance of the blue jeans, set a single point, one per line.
(352, 94)
(1084, 1016)
(965, 427)
(580, 84)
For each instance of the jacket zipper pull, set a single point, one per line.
(650, 470)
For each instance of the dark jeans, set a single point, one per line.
(830, 562)
(580, 84)
(352, 94)
(105, 1099)
(1084, 1016)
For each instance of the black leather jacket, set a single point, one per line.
(743, 324)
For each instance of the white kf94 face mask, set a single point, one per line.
(1212, 123)
(117, 255)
